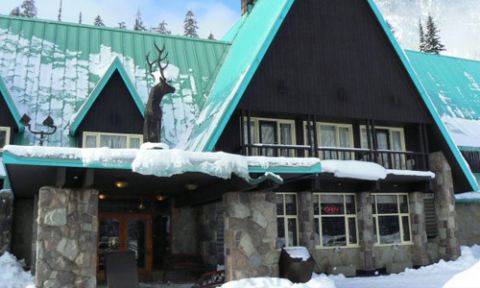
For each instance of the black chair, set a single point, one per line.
(121, 270)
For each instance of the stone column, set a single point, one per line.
(448, 246)
(66, 238)
(366, 230)
(306, 221)
(6, 211)
(250, 235)
(419, 234)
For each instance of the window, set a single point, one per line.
(4, 136)
(270, 132)
(388, 140)
(331, 136)
(335, 220)
(110, 140)
(391, 219)
(287, 222)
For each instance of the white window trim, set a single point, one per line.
(390, 130)
(346, 217)
(400, 215)
(337, 140)
(7, 136)
(286, 217)
(256, 126)
(97, 136)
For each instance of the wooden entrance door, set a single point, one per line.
(126, 232)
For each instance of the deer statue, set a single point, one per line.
(153, 110)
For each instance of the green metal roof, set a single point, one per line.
(50, 68)
(115, 67)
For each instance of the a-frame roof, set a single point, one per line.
(116, 66)
(11, 105)
(252, 39)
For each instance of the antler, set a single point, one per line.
(161, 58)
(150, 64)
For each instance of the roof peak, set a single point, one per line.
(126, 31)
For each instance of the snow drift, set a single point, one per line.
(12, 274)
(320, 281)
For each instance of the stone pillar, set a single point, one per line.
(6, 211)
(366, 230)
(250, 235)
(184, 222)
(66, 238)
(306, 221)
(448, 246)
(419, 233)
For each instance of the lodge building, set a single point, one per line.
(347, 154)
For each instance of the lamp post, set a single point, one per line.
(48, 122)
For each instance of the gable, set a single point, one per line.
(114, 110)
(9, 115)
(6, 118)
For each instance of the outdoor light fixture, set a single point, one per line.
(121, 184)
(102, 196)
(48, 122)
(141, 206)
(161, 197)
(191, 186)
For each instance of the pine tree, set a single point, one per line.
(391, 27)
(421, 47)
(139, 22)
(162, 28)
(29, 9)
(190, 25)
(122, 25)
(432, 39)
(16, 12)
(60, 12)
(98, 21)
(80, 18)
(211, 36)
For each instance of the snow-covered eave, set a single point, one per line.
(469, 197)
(3, 173)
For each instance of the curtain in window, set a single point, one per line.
(344, 142)
(90, 142)
(113, 141)
(267, 136)
(286, 139)
(135, 143)
(328, 138)
(398, 159)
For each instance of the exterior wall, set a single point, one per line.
(211, 234)
(184, 231)
(468, 226)
(66, 238)
(250, 235)
(6, 213)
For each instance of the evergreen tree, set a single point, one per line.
(60, 12)
(421, 47)
(211, 36)
(190, 25)
(80, 18)
(29, 9)
(16, 12)
(98, 21)
(432, 39)
(139, 22)
(122, 25)
(162, 28)
(391, 27)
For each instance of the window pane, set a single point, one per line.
(396, 140)
(350, 203)
(268, 136)
(332, 204)
(316, 205)
(113, 141)
(135, 143)
(292, 232)
(344, 135)
(281, 232)
(403, 204)
(387, 204)
(291, 204)
(286, 138)
(364, 138)
(374, 206)
(317, 231)
(90, 141)
(375, 228)
(327, 136)
(406, 228)
(389, 227)
(3, 138)
(333, 231)
(352, 230)
(280, 205)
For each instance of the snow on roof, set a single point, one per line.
(2, 169)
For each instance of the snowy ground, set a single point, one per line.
(462, 273)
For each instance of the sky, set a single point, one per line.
(213, 16)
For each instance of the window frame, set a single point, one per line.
(285, 216)
(399, 214)
(7, 130)
(256, 127)
(390, 130)
(98, 135)
(344, 215)
(337, 126)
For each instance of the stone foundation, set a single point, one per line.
(6, 213)
(250, 235)
(66, 238)
(211, 235)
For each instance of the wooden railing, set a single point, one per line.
(398, 160)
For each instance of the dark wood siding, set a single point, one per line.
(6, 118)
(332, 58)
(473, 159)
(114, 111)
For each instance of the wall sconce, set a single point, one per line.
(102, 196)
(161, 197)
(120, 184)
(191, 186)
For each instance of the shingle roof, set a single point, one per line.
(51, 67)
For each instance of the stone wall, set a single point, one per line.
(6, 213)
(211, 234)
(419, 251)
(468, 223)
(66, 238)
(250, 235)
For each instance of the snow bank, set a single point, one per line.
(298, 252)
(317, 282)
(12, 274)
(466, 279)
(2, 169)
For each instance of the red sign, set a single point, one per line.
(331, 209)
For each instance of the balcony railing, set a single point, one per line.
(398, 160)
